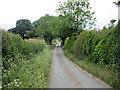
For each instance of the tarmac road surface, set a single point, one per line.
(65, 74)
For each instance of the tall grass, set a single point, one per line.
(98, 53)
(25, 63)
(101, 71)
(32, 73)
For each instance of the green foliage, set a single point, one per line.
(77, 13)
(78, 45)
(29, 73)
(101, 71)
(26, 63)
(100, 47)
(99, 52)
(48, 37)
(69, 44)
(87, 45)
(22, 27)
(75, 16)
(46, 23)
(105, 50)
(47, 27)
(13, 45)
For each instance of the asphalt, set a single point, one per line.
(65, 74)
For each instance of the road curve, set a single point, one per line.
(65, 74)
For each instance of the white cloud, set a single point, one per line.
(105, 10)
(13, 10)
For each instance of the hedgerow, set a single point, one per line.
(100, 47)
(25, 63)
(13, 44)
(78, 45)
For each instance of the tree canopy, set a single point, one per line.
(75, 16)
(22, 27)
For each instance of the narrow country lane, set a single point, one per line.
(65, 74)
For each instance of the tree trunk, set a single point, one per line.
(63, 42)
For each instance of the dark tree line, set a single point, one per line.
(23, 26)
(74, 17)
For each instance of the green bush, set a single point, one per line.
(29, 73)
(100, 48)
(69, 44)
(32, 48)
(78, 45)
(105, 50)
(24, 62)
(5, 44)
(87, 45)
(13, 46)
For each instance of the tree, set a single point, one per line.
(117, 3)
(22, 27)
(48, 37)
(112, 21)
(11, 30)
(47, 26)
(111, 24)
(40, 26)
(54, 26)
(76, 15)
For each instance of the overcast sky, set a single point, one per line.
(13, 10)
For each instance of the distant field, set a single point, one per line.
(35, 40)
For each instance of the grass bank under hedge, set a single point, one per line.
(104, 73)
(32, 73)
(98, 53)
(25, 63)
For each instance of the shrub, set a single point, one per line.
(69, 43)
(78, 45)
(101, 48)
(13, 45)
(29, 73)
(21, 61)
(48, 37)
(5, 44)
(88, 41)
(105, 50)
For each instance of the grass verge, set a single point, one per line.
(32, 73)
(102, 72)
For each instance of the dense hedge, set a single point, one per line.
(13, 45)
(78, 45)
(69, 44)
(99, 47)
(28, 73)
(21, 59)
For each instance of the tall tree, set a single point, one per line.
(46, 27)
(77, 15)
(22, 27)
(48, 37)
